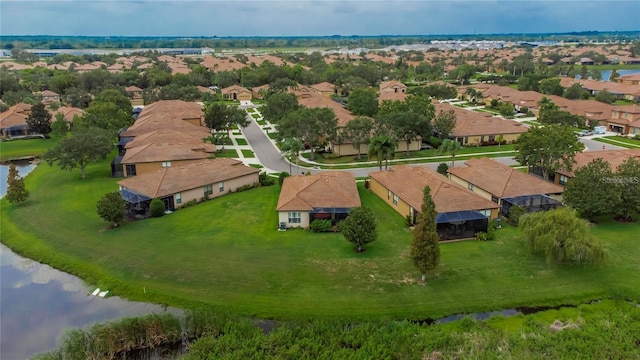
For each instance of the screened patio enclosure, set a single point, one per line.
(531, 203)
(334, 214)
(137, 204)
(460, 224)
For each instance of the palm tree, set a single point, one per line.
(382, 147)
(451, 147)
(292, 147)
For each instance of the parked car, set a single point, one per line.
(426, 147)
(585, 133)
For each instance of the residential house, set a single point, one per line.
(135, 95)
(184, 184)
(461, 213)
(631, 79)
(49, 97)
(236, 93)
(13, 121)
(625, 120)
(474, 128)
(69, 114)
(259, 92)
(156, 155)
(324, 88)
(506, 186)
(613, 157)
(328, 195)
(393, 86)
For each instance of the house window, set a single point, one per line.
(208, 190)
(492, 138)
(178, 198)
(389, 195)
(221, 186)
(294, 217)
(166, 164)
(563, 180)
(486, 213)
(395, 199)
(131, 170)
(495, 199)
(470, 186)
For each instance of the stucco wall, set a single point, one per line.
(283, 216)
(402, 208)
(229, 185)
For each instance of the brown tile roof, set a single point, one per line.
(390, 85)
(501, 180)
(391, 96)
(471, 123)
(314, 100)
(49, 93)
(234, 88)
(165, 136)
(329, 189)
(15, 115)
(132, 88)
(169, 114)
(408, 183)
(167, 151)
(218, 64)
(193, 175)
(68, 112)
(613, 157)
(324, 87)
(206, 90)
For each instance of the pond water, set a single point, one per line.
(39, 303)
(606, 74)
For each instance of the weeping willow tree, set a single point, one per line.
(561, 236)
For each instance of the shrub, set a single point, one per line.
(409, 220)
(515, 212)
(265, 179)
(524, 110)
(443, 168)
(482, 236)
(320, 225)
(435, 141)
(281, 177)
(156, 208)
(245, 187)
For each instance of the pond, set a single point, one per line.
(39, 303)
(606, 74)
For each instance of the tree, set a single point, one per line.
(112, 96)
(506, 110)
(359, 227)
(82, 148)
(425, 247)
(291, 147)
(614, 75)
(17, 193)
(561, 236)
(545, 105)
(451, 147)
(444, 123)
(548, 148)
(278, 106)
(382, 147)
(358, 131)
(156, 208)
(363, 102)
(605, 96)
(463, 73)
(221, 117)
(59, 127)
(407, 120)
(588, 193)
(111, 208)
(39, 120)
(443, 168)
(551, 86)
(309, 124)
(628, 186)
(576, 91)
(104, 115)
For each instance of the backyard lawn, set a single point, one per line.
(226, 253)
(24, 148)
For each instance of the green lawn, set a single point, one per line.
(248, 153)
(256, 116)
(242, 141)
(15, 149)
(251, 110)
(226, 253)
(227, 153)
(419, 156)
(619, 141)
(532, 122)
(262, 122)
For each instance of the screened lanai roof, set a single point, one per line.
(532, 200)
(133, 197)
(458, 216)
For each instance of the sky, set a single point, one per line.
(313, 17)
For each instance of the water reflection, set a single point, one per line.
(39, 303)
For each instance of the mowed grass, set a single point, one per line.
(620, 141)
(14, 149)
(227, 254)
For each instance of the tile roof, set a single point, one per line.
(408, 183)
(15, 115)
(331, 189)
(167, 151)
(68, 112)
(185, 177)
(234, 88)
(472, 123)
(501, 180)
(314, 100)
(49, 93)
(324, 87)
(613, 157)
(391, 84)
(165, 136)
(132, 88)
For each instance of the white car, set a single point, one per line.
(585, 133)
